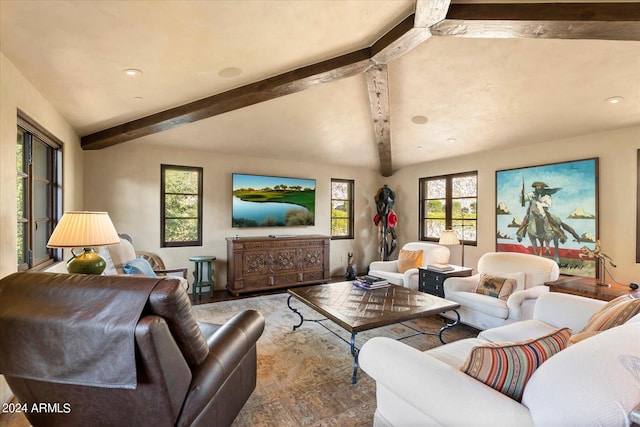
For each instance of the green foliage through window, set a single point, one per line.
(449, 202)
(181, 206)
(342, 209)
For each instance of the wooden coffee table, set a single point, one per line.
(356, 310)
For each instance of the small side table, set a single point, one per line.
(588, 287)
(432, 282)
(199, 279)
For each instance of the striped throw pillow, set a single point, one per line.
(614, 313)
(507, 367)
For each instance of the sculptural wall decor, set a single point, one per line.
(386, 221)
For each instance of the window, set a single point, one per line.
(39, 195)
(449, 202)
(341, 209)
(181, 206)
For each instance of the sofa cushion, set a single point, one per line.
(455, 353)
(495, 286)
(507, 367)
(614, 313)
(492, 306)
(594, 382)
(517, 331)
(409, 259)
(139, 266)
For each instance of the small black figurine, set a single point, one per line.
(351, 270)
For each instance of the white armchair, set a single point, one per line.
(431, 254)
(483, 311)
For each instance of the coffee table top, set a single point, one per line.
(356, 309)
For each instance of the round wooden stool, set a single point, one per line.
(199, 278)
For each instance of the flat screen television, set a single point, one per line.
(272, 201)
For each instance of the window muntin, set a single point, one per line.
(342, 208)
(181, 206)
(449, 202)
(39, 195)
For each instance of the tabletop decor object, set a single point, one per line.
(84, 230)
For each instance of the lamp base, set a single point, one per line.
(88, 262)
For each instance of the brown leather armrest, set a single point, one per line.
(228, 346)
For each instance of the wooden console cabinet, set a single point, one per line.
(261, 263)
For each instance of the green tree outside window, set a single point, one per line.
(181, 200)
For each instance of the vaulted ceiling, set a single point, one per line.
(381, 84)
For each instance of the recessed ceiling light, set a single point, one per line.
(230, 72)
(132, 72)
(419, 120)
(614, 100)
(451, 140)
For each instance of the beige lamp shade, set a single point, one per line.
(84, 230)
(449, 237)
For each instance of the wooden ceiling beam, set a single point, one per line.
(606, 21)
(287, 83)
(378, 86)
(601, 21)
(404, 37)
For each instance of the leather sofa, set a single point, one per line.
(592, 382)
(120, 350)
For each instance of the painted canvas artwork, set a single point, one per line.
(552, 211)
(270, 201)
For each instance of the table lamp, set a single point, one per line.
(84, 230)
(450, 238)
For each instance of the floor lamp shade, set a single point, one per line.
(84, 230)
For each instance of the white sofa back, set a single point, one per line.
(432, 253)
(563, 310)
(536, 269)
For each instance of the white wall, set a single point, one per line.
(17, 93)
(617, 153)
(124, 180)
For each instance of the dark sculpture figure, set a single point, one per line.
(386, 221)
(351, 269)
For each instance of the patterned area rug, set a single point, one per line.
(304, 376)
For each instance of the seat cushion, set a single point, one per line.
(484, 304)
(517, 331)
(507, 367)
(455, 353)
